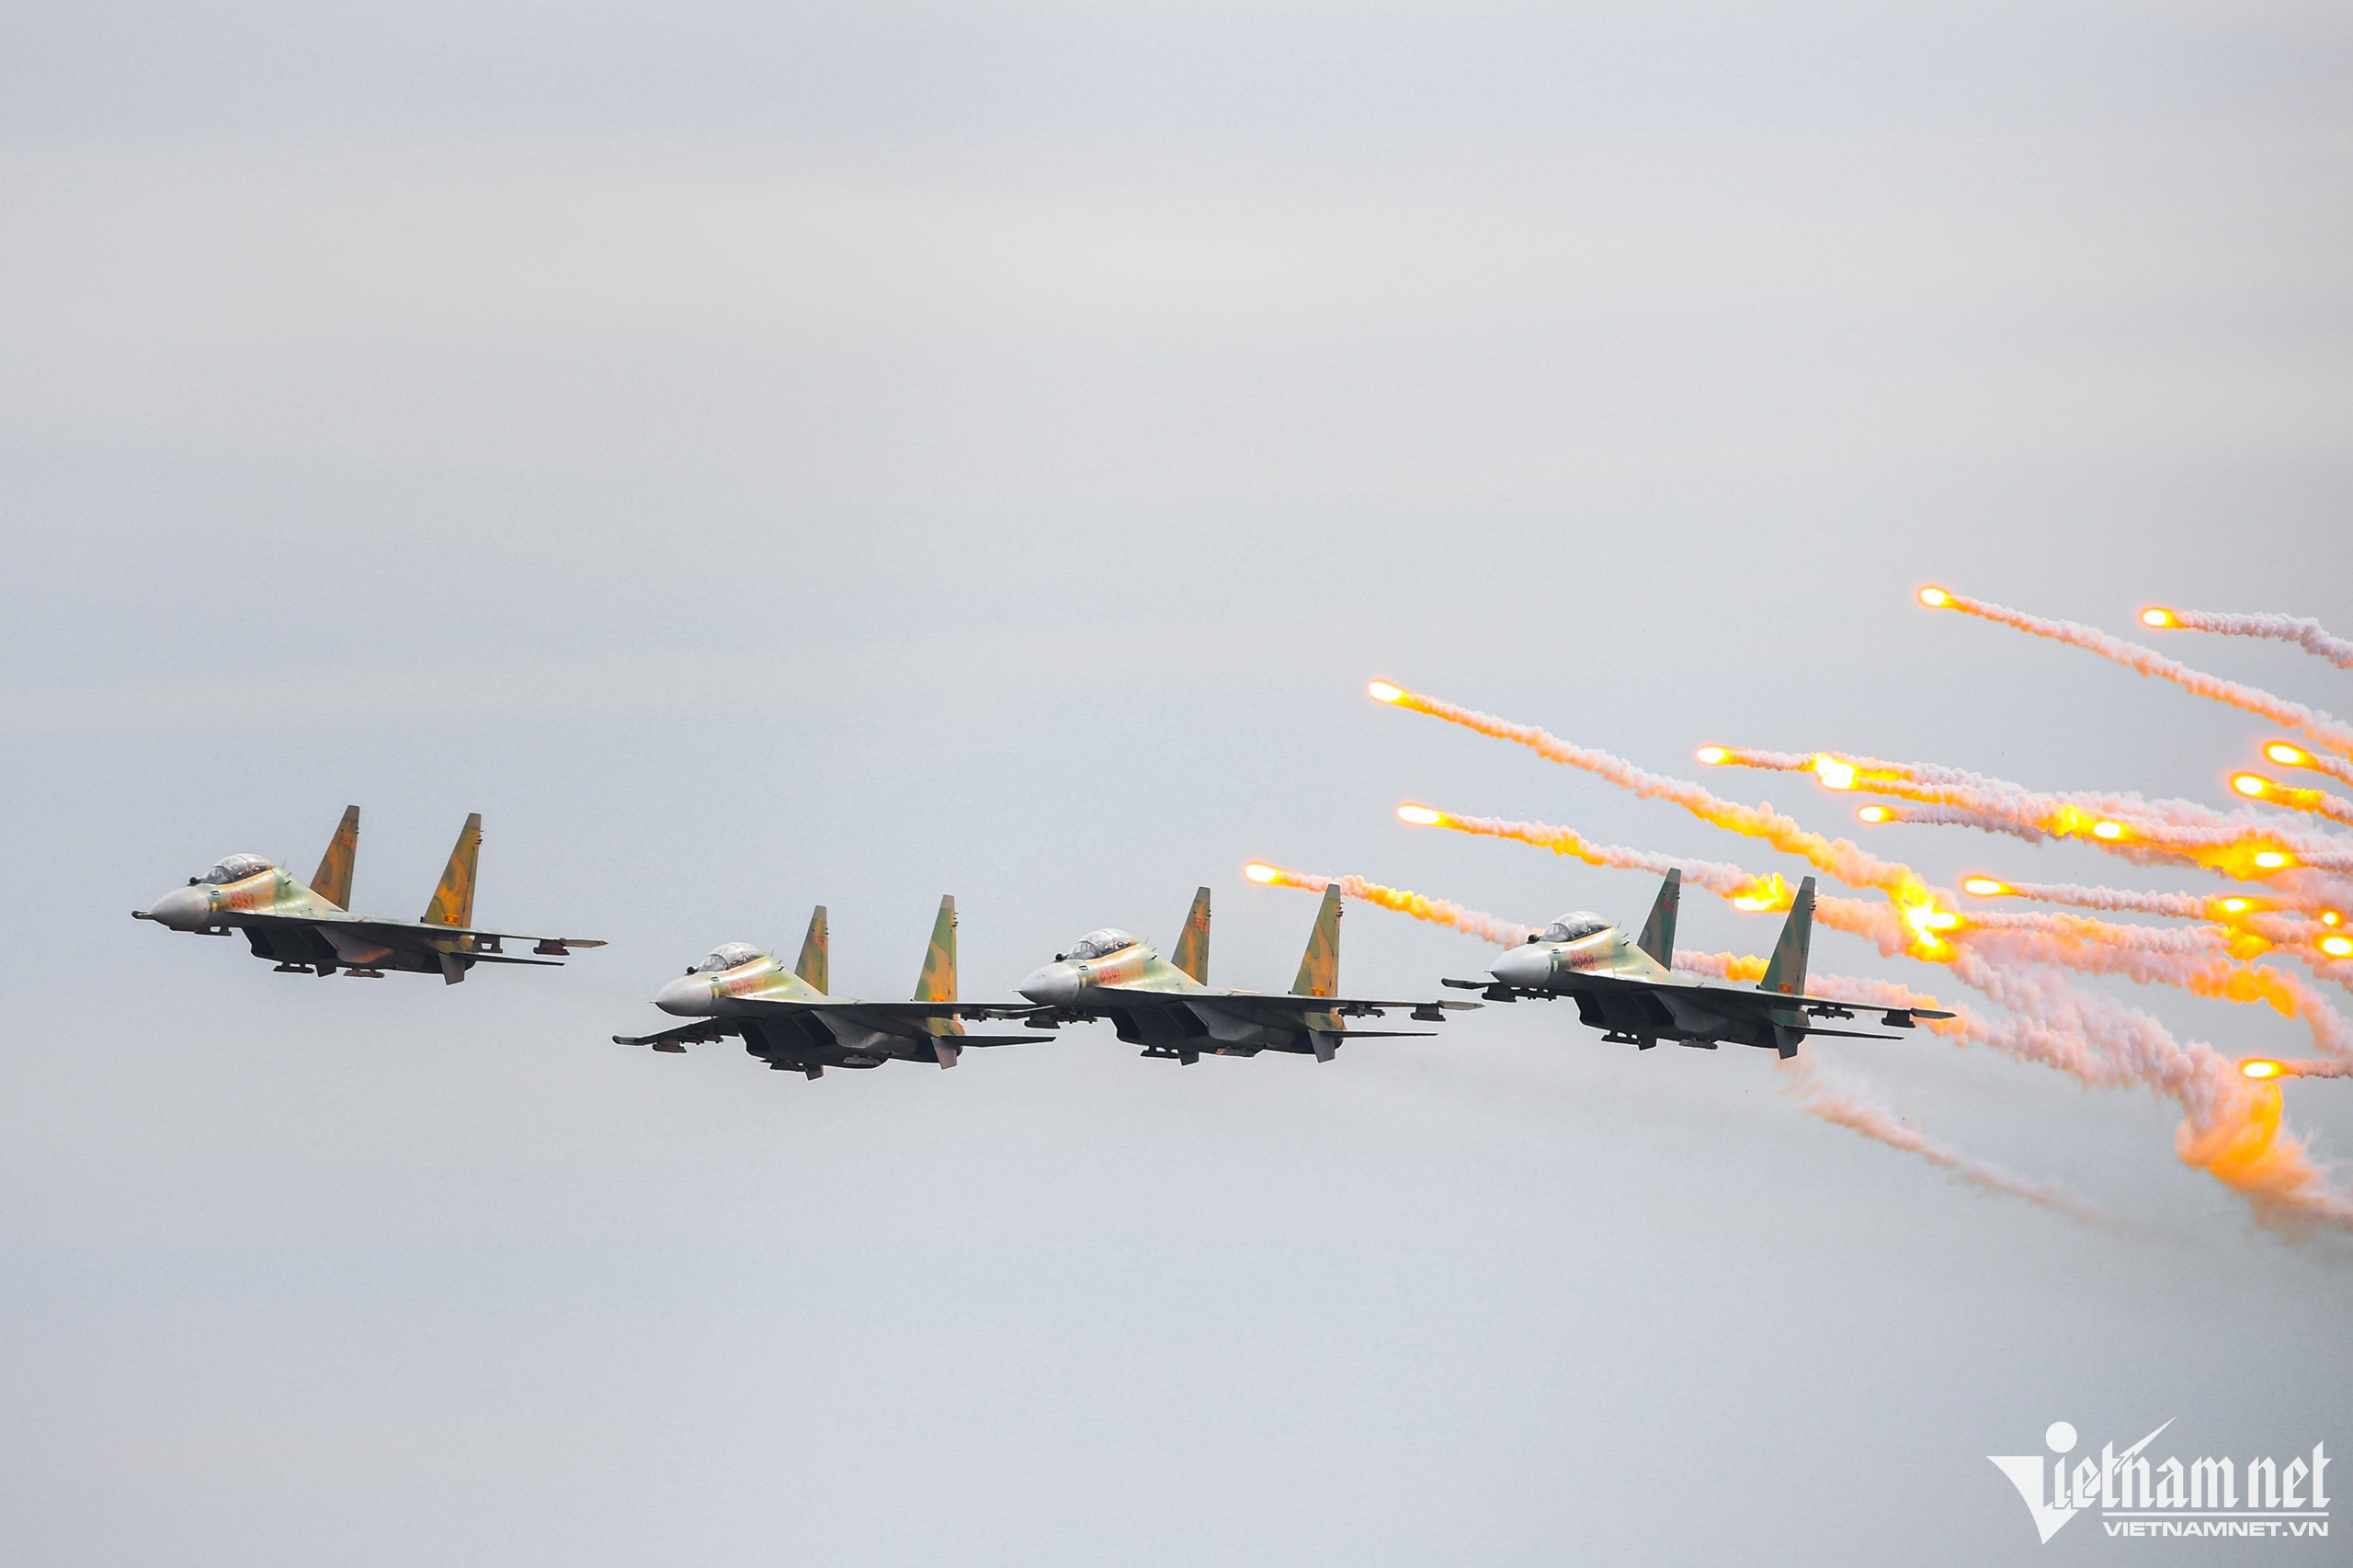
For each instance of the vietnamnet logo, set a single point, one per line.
(2138, 1497)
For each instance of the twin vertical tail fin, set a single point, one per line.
(1786, 972)
(815, 964)
(1319, 970)
(939, 982)
(453, 900)
(1658, 932)
(333, 881)
(1193, 947)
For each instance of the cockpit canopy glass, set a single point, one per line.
(728, 955)
(236, 869)
(1101, 944)
(1575, 928)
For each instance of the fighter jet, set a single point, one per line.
(304, 930)
(1170, 1009)
(785, 1018)
(1626, 990)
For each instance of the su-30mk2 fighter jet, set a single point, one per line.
(1170, 1010)
(1626, 990)
(306, 928)
(784, 1016)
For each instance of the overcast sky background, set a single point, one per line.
(764, 456)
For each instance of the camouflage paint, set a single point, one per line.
(334, 880)
(1193, 946)
(1319, 967)
(785, 1018)
(815, 963)
(453, 900)
(1786, 972)
(1162, 1006)
(305, 927)
(937, 980)
(1657, 940)
(1621, 988)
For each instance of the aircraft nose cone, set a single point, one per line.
(1526, 965)
(182, 909)
(1054, 983)
(688, 996)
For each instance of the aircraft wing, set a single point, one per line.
(470, 941)
(906, 1018)
(1738, 1001)
(419, 940)
(904, 1010)
(1280, 1008)
(700, 1032)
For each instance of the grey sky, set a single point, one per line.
(759, 457)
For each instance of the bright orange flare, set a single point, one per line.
(2287, 755)
(2270, 859)
(1711, 755)
(1872, 813)
(1984, 887)
(1259, 871)
(2331, 917)
(1833, 773)
(2338, 947)
(1935, 598)
(2259, 1068)
(2235, 905)
(2155, 616)
(2250, 784)
(1381, 691)
(2108, 830)
(1420, 815)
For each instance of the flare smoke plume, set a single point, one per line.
(2307, 635)
(2319, 727)
(2027, 963)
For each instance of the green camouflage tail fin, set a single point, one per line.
(453, 900)
(1786, 972)
(1319, 972)
(815, 964)
(1658, 932)
(333, 881)
(1193, 947)
(939, 982)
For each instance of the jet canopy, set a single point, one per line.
(236, 869)
(1102, 944)
(1575, 928)
(728, 955)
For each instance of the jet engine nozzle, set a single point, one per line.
(688, 996)
(1529, 965)
(182, 909)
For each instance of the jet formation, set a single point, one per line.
(790, 1019)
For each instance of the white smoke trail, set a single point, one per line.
(1953, 816)
(1715, 876)
(1844, 1107)
(2306, 633)
(2321, 728)
(2123, 901)
(2125, 823)
(1436, 911)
